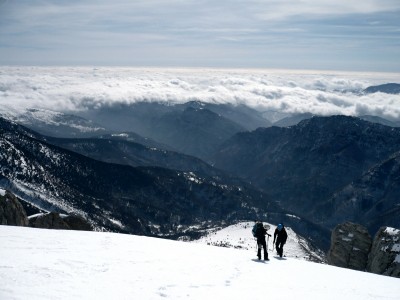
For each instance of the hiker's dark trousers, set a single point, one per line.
(262, 244)
(279, 247)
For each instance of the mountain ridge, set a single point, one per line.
(388, 88)
(302, 165)
(144, 200)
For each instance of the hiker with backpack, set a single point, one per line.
(280, 235)
(259, 232)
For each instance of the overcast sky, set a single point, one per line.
(353, 35)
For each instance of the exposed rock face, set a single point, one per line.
(11, 210)
(49, 221)
(13, 213)
(78, 223)
(350, 246)
(56, 221)
(385, 253)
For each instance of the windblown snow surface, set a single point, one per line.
(58, 264)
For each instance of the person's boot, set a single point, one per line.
(259, 253)
(266, 256)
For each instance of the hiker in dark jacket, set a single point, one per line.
(259, 231)
(280, 235)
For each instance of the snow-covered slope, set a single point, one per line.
(53, 123)
(239, 236)
(56, 264)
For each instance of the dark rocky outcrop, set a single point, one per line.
(11, 211)
(54, 220)
(384, 257)
(350, 246)
(353, 248)
(78, 223)
(49, 221)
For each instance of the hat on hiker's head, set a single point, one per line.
(280, 226)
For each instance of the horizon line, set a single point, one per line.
(211, 68)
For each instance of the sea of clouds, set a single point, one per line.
(74, 89)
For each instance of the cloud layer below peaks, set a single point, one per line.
(70, 89)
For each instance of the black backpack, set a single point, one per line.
(258, 230)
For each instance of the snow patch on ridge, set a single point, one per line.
(192, 177)
(239, 236)
(116, 222)
(36, 215)
(392, 231)
(120, 135)
(293, 216)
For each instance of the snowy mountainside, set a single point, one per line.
(239, 236)
(52, 123)
(58, 264)
(142, 200)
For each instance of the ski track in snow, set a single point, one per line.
(58, 264)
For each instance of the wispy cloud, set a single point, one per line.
(325, 8)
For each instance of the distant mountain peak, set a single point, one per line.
(388, 88)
